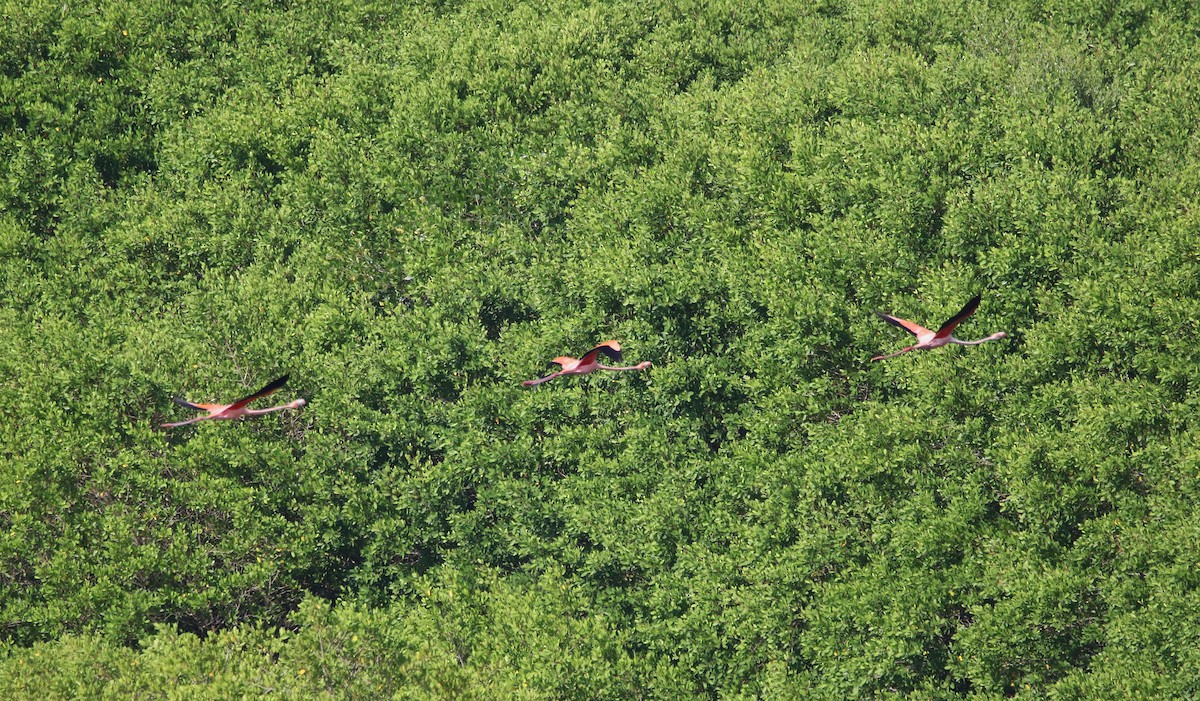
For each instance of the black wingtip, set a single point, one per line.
(268, 389)
(951, 323)
(183, 402)
(274, 385)
(611, 352)
(968, 308)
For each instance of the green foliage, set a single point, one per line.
(409, 207)
(472, 636)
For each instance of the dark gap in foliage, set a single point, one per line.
(423, 556)
(21, 57)
(496, 312)
(830, 9)
(111, 168)
(13, 119)
(466, 499)
(613, 574)
(1070, 531)
(328, 579)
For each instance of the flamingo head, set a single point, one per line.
(297, 404)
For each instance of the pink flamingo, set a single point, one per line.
(927, 339)
(237, 410)
(588, 363)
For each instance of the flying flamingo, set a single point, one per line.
(588, 363)
(237, 410)
(927, 339)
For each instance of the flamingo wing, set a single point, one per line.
(192, 405)
(966, 311)
(610, 348)
(914, 329)
(272, 387)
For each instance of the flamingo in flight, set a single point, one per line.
(588, 363)
(236, 410)
(927, 339)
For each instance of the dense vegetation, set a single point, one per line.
(410, 207)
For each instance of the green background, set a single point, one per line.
(411, 207)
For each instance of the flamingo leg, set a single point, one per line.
(893, 355)
(994, 337)
(185, 423)
(540, 380)
(639, 366)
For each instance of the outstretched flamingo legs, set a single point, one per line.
(927, 339)
(588, 363)
(236, 410)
